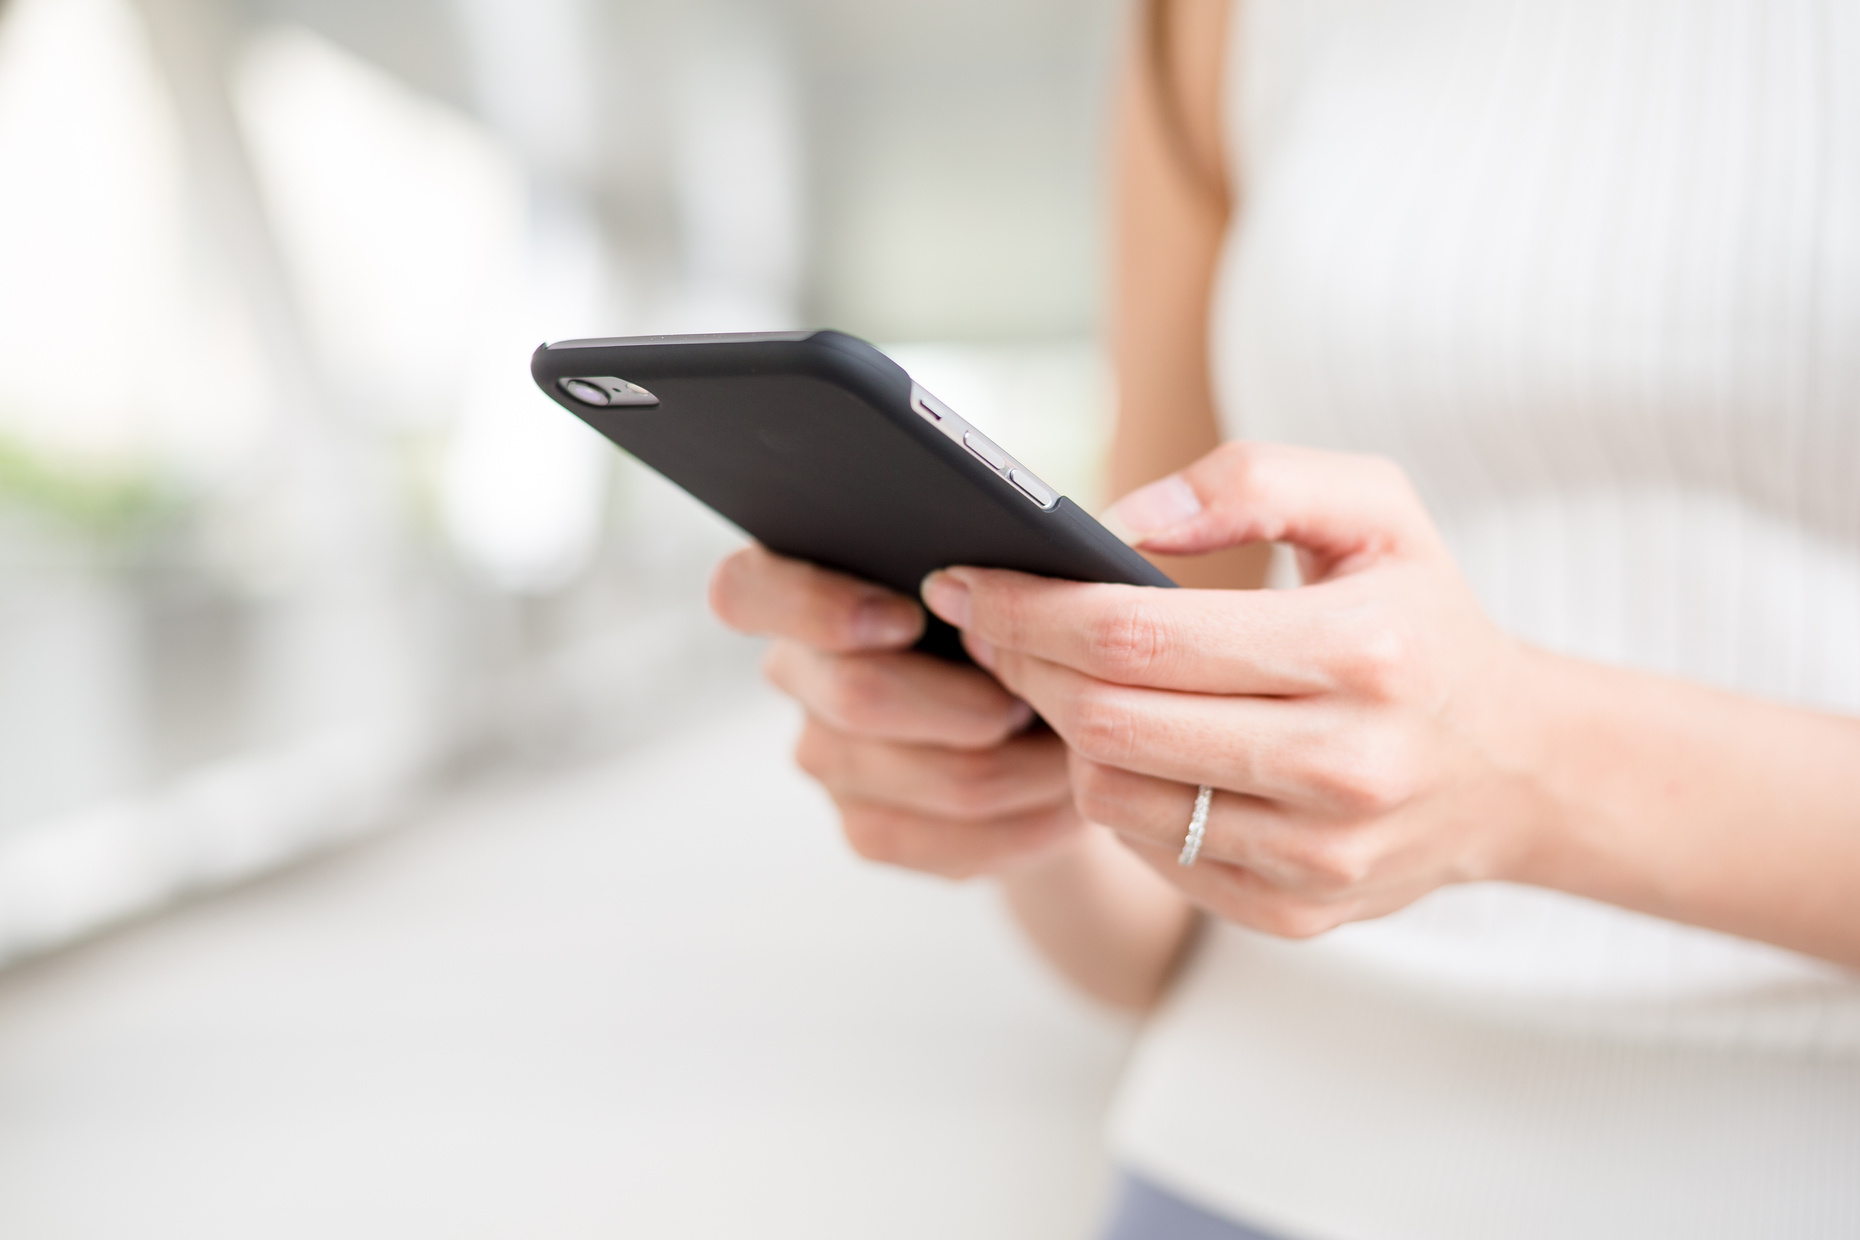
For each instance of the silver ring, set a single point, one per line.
(1197, 827)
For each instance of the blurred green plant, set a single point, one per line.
(111, 505)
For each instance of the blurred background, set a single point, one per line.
(389, 841)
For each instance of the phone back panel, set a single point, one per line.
(808, 442)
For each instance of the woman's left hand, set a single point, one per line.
(1367, 734)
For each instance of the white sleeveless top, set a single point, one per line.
(1589, 270)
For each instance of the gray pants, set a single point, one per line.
(1143, 1211)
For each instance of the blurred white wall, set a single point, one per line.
(291, 552)
(273, 479)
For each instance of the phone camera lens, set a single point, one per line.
(585, 392)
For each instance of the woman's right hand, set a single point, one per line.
(931, 765)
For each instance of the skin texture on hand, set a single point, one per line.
(931, 766)
(1373, 736)
(1347, 726)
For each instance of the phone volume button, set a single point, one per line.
(983, 447)
(1033, 488)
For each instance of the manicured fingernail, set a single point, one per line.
(885, 622)
(979, 650)
(948, 597)
(1153, 509)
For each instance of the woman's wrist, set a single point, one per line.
(1688, 803)
(1100, 916)
(1537, 810)
(1592, 762)
(1611, 775)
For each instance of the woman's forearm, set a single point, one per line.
(1696, 805)
(1102, 918)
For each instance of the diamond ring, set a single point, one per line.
(1197, 827)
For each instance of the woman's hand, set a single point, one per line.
(932, 768)
(930, 764)
(1363, 733)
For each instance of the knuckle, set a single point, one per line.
(817, 753)
(857, 692)
(1386, 471)
(972, 782)
(1377, 661)
(1402, 487)
(1238, 458)
(1392, 482)
(1095, 792)
(967, 802)
(998, 614)
(1377, 475)
(1102, 728)
(972, 768)
(776, 665)
(956, 869)
(996, 729)
(1127, 640)
(1334, 863)
(871, 837)
(1288, 917)
(1368, 775)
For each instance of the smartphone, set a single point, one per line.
(820, 447)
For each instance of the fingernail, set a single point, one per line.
(1152, 509)
(885, 622)
(1019, 717)
(979, 650)
(948, 597)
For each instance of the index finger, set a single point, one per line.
(1198, 641)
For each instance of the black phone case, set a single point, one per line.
(809, 442)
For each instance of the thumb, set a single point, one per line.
(1343, 512)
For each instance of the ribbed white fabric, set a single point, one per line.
(1590, 270)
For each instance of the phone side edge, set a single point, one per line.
(1135, 569)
